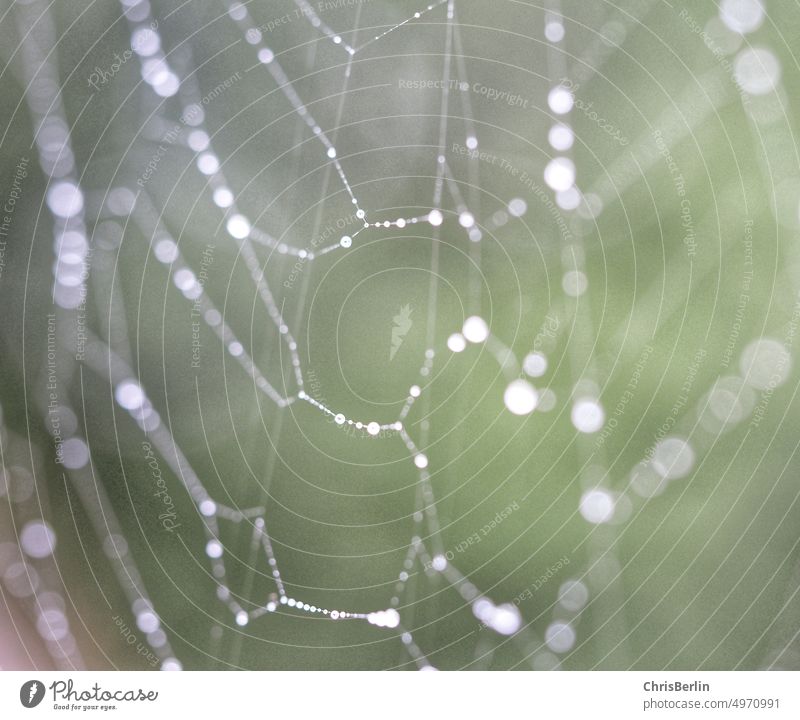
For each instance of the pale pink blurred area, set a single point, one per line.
(21, 648)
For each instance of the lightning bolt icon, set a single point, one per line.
(34, 690)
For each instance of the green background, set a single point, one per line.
(701, 576)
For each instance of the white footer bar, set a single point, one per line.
(390, 696)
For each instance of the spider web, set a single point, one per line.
(285, 236)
